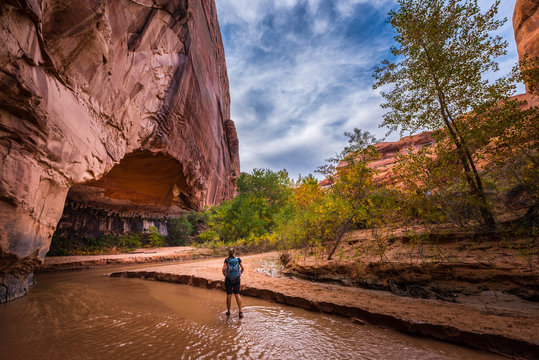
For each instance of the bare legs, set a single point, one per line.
(238, 301)
(229, 301)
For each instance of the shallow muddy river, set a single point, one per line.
(85, 315)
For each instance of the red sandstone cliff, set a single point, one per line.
(389, 151)
(124, 102)
(526, 27)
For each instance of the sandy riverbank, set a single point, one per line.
(139, 256)
(496, 324)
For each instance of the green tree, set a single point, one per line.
(261, 197)
(316, 216)
(353, 182)
(179, 231)
(437, 75)
(347, 201)
(153, 238)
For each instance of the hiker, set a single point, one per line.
(232, 270)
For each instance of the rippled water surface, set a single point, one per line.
(84, 315)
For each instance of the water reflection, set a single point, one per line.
(85, 315)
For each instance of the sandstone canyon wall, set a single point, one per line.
(122, 103)
(526, 28)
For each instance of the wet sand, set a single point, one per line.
(510, 330)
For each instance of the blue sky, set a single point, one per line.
(300, 75)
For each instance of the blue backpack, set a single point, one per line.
(233, 270)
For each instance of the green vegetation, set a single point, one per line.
(153, 238)
(252, 215)
(272, 211)
(109, 243)
(179, 232)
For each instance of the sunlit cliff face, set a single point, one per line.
(122, 106)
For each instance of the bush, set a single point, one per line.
(208, 237)
(153, 239)
(61, 246)
(179, 232)
(130, 242)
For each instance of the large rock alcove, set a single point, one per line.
(143, 186)
(119, 106)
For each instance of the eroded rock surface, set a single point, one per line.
(526, 27)
(125, 102)
(389, 152)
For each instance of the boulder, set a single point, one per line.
(124, 104)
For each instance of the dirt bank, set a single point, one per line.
(139, 256)
(495, 325)
(444, 265)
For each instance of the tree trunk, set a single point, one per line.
(339, 236)
(475, 183)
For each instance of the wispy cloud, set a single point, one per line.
(300, 75)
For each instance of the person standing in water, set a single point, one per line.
(232, 270)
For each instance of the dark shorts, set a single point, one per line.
(232, 287)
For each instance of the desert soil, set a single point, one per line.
(139, 256)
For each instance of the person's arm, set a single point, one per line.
(224, 269)
(242, 268)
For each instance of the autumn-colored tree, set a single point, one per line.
(352, 182)
(437, 75)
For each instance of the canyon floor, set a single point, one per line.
(492, 321)
(479, 292)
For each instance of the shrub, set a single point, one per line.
(208, 236)
(179, 232)
(130, 242)
(153, 238)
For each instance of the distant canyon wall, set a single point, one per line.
(123, 104)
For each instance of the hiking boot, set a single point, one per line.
(228, 314)
(240, 315)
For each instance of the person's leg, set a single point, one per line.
(229, 291)
(228, 302)
(238, 301)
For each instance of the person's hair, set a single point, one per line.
(231, 252)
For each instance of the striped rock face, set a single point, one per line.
(117, 106)
(526, 27)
